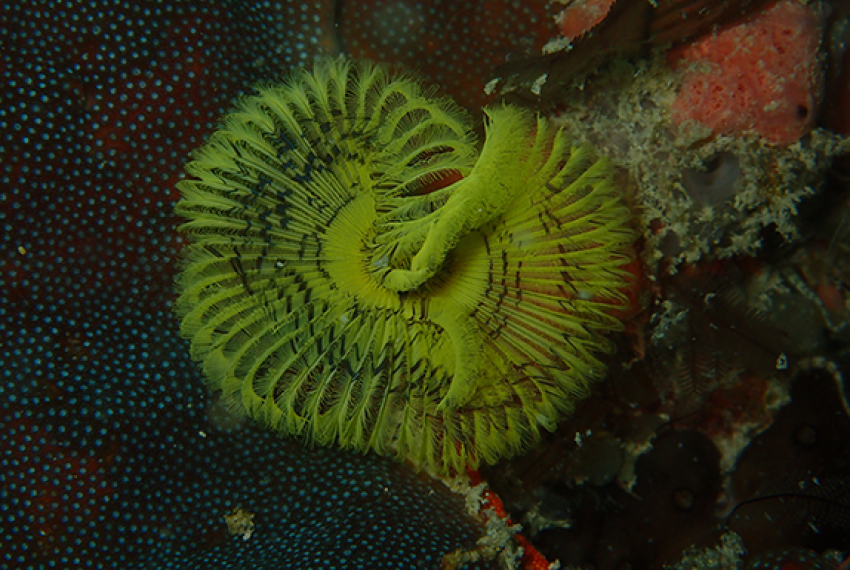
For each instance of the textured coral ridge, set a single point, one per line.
(339, 285)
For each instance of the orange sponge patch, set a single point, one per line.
(760, 76)
(582, 16)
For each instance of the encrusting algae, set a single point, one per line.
(360, 274)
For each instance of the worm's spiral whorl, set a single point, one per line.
(359, 274)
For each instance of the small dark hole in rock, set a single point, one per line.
(802, 112)
(684, 499)
(712, 165)
(717, 182)
(806, 436)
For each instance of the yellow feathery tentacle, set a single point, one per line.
(476, 199)
(358, 274)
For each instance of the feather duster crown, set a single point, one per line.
(359, 274)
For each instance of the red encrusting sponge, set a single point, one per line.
(582, 16)
(760, 76)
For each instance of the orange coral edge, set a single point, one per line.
(531, 557)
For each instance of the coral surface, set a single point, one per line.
(114, 454)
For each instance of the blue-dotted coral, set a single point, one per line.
(108, 457)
